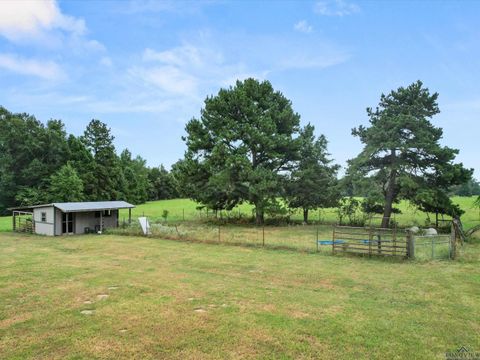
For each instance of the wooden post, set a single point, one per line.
(395, 240)
(410, 245)
(263, 234)
(370, 239)
(14, 221)
(129, 216)
(453, 243)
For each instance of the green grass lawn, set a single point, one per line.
(182, 300)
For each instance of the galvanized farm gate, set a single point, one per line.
(370, 241)
(22, 221)
(390, 242)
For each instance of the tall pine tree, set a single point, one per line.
(402, 152)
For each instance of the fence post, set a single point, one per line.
(433, 249)
(370, 239)
(263, 234)
(333, 240)
(453, 243)
(410, 245)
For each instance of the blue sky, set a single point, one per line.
(145, 67)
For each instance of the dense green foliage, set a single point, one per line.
(41, 163)
(66, 185)
(247, 147)
(402, 154)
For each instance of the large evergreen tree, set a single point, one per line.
(401, 150)
(106, 180)
(313, 183)
(241, 148)
(135, 184)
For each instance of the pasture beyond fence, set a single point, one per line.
(367, 241)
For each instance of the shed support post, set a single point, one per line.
(129, 216)
(101, 222)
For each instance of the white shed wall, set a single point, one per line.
(46, 227)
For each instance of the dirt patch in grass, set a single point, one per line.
(5, 323)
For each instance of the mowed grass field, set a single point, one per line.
(150, 298)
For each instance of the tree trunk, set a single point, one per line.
(258, 215)
(390, 194)
(305, 216)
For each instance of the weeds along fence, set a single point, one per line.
(308, 238)
(239, 216)
(366, 241)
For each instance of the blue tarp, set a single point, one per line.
(330, 242)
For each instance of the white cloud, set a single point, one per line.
(43, 69)
(170, 79)
(106, 61)
(335, 8)
(303, 26)
(183, 70)
(32, 18)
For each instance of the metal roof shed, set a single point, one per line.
(69, 217)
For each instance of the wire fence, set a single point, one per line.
(323, 238)
(436, 247)
(310, 238)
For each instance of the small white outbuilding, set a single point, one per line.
(69, 217)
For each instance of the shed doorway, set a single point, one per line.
(67, 223)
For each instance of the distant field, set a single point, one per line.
(150, 298)
(5, 223)
(180, 209)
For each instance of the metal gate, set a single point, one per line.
(369, 241)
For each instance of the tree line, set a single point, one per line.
(247, 146)
(42, 163)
